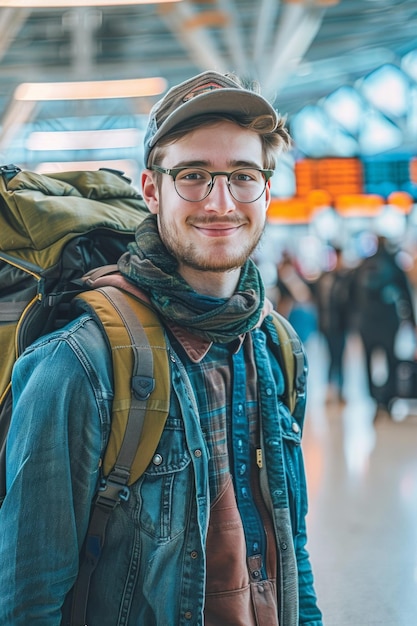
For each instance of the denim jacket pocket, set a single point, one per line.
(164, 487)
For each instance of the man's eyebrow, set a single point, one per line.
(193, 163)
(207, 164)
(245, 164)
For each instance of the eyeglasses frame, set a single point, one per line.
(174, 171)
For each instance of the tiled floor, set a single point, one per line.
(362, 521)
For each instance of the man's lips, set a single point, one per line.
(217, 229)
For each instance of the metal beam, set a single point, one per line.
(193, 36)
(297, 27)
(263, 32)
(233, 37)
(11, 21)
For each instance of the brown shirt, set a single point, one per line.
(234, 594)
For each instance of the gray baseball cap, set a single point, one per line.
(209, 92)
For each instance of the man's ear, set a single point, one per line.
(268, 193)
(150, 191)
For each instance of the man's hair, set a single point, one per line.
(274, 137)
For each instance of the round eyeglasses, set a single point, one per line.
(193, 184)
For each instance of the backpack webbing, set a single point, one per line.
(139, 350)
(139, 411)
(293, 360)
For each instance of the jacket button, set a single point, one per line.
(197, 453)
(188, 615)
(194, 554)
(157, 459)
(295, 427)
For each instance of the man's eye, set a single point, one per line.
(244, 176)
(191, 175)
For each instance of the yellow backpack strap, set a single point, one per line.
(140, 407)
(294, 360)
(141, 379)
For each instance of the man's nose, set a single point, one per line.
(220, 199)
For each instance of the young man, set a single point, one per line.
(214, 532)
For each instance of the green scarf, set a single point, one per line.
(149, 265)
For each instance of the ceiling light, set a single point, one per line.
(84, 139)
(58, 4)
(91, 90)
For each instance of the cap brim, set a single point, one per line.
(234, 101)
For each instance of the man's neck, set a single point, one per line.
(215, 284)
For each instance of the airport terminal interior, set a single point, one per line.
(362, 479)
(77, 80)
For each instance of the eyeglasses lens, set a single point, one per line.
(245, 185)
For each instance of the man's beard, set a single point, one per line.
(189, 255)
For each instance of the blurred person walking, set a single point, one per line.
(294, 297)
(332, 296)
(383, 300)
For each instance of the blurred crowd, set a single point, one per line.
(373, 298)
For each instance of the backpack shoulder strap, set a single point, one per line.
(139, 411)
(141, 378)
(293, 360)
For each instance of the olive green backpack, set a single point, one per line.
(60, 238)
(53, 230)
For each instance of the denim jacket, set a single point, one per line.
(152, 569)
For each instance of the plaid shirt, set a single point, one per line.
(219, 396)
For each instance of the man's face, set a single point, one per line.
(218, 233)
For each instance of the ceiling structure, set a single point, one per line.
(299, 51)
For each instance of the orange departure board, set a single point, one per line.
(334, 175)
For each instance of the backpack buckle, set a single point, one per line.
(111, 492)
(142, 386)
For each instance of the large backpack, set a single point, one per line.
(59, 236)
(53, 229)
